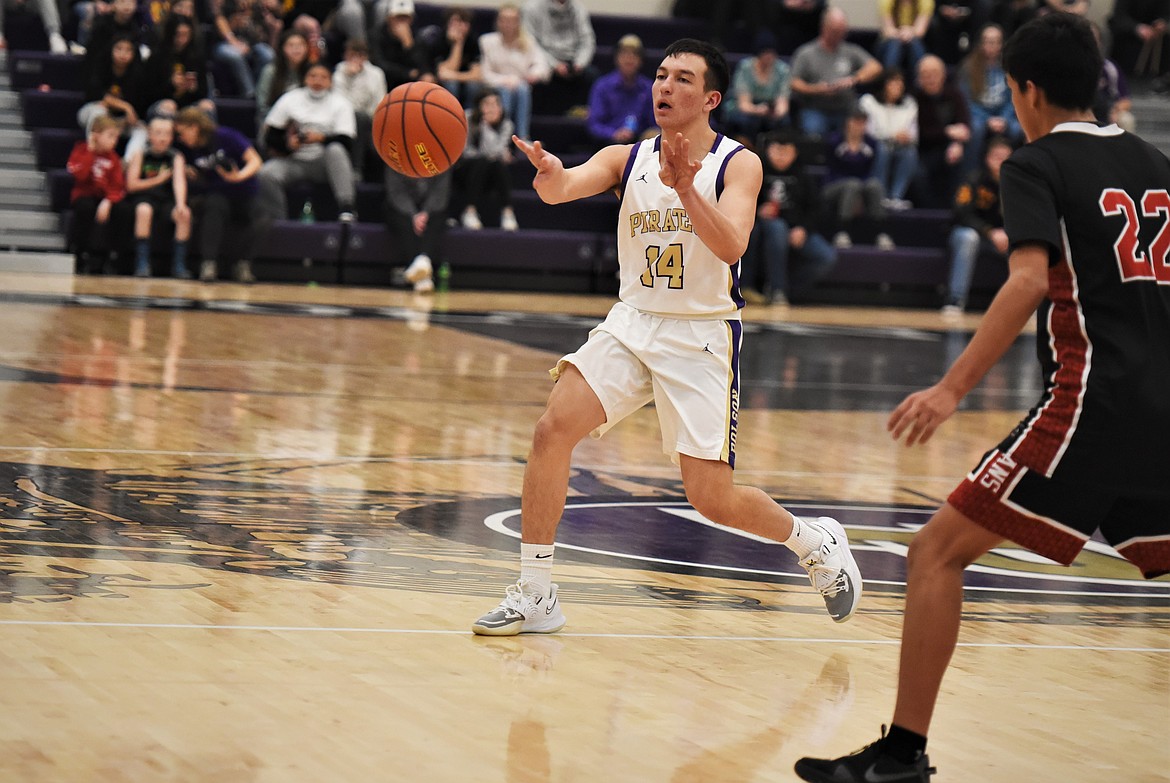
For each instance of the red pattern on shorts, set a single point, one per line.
(981, 499)
(1151, 557)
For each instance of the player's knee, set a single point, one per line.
(712, 504)
(553, 431)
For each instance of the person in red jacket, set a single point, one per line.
(98, 184)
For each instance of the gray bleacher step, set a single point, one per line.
(15, 139)
(11, 120)
(17, 159)
(44, 263)
(31, 240)
(5, 82)
(9, 101)
(29, 180)
(23, 198)
(21, 220)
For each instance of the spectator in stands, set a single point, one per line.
(978, 225)
(50, 17)
(286, 72)
(98, 185)
(311, 129)
(455, 57)
(123, 19)
(795, 22)
(953, 27)
(565, 32)
(177, 69)
(1078, 7)
(1140, 29)
(903, 32)
(512, 63)
(246, 29)
(156, 182)
(785, 255)
(221, 166)
(893, 122)
(117, 88)
(1011, 15)
(826, 73)
(944, 128)
(620, 107)
(396, 49)
(310, 27)
(989, 99)
(481, 173)
(760, 89)
(852, 194)
(416, 216)
(364, 85)
(1113, 103)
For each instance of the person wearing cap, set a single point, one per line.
(759, 93)
(396, 49)
(620, 107)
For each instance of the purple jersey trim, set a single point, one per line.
(723, 168)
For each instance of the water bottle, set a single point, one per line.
(631, 123)
(307, 215)
(444, 277)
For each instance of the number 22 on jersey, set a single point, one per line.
(1132, 262)
(667, 264)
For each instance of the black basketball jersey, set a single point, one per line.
(1099, 199)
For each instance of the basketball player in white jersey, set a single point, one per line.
(688, 205)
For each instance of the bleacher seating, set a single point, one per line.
(557, 248)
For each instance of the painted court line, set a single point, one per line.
(648, 636)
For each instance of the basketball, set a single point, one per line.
(419, 129)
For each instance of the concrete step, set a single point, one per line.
(47, 263)
(28, 220)
(18, 159)
(24, 198)
(9, 101)
(5, 81)
(29, 180)
(15, 139)
(31, 240)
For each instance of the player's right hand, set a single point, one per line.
(545, 162)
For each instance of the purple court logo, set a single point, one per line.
(672, 536)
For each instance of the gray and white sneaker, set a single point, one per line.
(833, 571)
(523, 610)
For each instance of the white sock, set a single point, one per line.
(805, 538)
(536, 561)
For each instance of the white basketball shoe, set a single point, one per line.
(523, 610)
(833, 571)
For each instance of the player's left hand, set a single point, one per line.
(921, 413)
(678, 170)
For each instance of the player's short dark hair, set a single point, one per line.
(718, 74)
(1057, 53)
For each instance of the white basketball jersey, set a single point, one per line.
(665, 268)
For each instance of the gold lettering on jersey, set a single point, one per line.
(655, 221)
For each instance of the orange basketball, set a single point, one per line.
(419, 129)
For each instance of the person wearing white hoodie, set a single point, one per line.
(565, 32)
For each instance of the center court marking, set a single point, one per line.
(665, 637)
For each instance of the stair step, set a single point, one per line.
(31, 240)
(18, 159)
(23, 198)
(29, 180)
(15, 139)
(9, 101)
(27, 220)
(47, 263)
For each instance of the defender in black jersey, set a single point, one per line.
(1087, 213)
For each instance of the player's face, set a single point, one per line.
(1024, 111)
(679, 92)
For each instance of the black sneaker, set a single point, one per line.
(868, 765)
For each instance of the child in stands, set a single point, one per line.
(481, 175)
(157, 181)
(98, 184)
